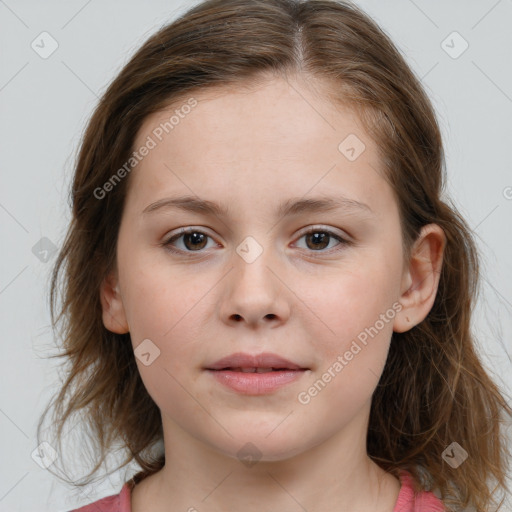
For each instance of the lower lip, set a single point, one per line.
(256, 383)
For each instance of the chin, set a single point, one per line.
(251, 444)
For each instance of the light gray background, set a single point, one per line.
(45, 104)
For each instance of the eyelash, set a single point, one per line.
(186, 231)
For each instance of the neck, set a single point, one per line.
(334, 475)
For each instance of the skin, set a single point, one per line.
(250, 149)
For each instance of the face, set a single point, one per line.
(316, 286)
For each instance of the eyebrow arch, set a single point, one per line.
(290, 207)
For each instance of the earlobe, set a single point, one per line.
(421, 278)
(114, 317)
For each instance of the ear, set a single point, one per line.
(421, 278)
(114, 317)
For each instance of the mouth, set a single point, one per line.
(256, 370)
(256, 381)
(260, 363)
(255, 374)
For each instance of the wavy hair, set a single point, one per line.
(434, 389)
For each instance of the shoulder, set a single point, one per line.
(115, 503)
(410, 501)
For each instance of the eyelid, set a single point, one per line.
(344, 240)
(178, 233)
(324, 229)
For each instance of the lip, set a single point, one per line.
(264, 360)
(256, 383)
(227, 371)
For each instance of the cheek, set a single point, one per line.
(356, 324)
(159, 296)
(353, 299)
(356, 304)
(165, 309)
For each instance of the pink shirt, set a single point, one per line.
(424, 502)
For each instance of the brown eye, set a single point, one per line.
(317, 240)
(195, 240)
(192, 241)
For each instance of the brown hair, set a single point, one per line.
(434, 389)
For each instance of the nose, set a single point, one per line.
(255, 294)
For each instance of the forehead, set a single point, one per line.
(273, 111)
(277, 135)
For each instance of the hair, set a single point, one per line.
(434, 389)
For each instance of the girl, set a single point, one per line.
(265, 299)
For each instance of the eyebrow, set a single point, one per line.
(290, 207)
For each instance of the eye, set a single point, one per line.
(318, 239)
(193, 240)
